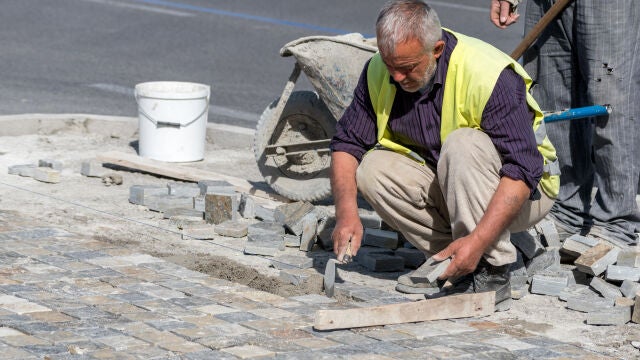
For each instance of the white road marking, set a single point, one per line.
(148, 8)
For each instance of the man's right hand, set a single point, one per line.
(502, 14)
(347, 235)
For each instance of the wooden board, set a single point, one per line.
(448, 307)
(185, 173)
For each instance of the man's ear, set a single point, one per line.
(438, 49)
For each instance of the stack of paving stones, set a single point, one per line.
(599, 277)
(69, 296)
(49, 171)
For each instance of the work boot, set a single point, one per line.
(485, 278)
(416, 282)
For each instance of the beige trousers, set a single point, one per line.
(433, 207)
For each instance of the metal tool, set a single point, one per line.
(330, 270)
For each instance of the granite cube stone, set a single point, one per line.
(247, 206)
(265, 244)
(528, 244)
(589, 303)
(92, 168)
(220, 207)
(629, 258)
(265, 227)
(138, 193)
(161, 203)
(611, 316)
(378, 262)
(630, 288)
(548, 284)
(47, 175)
(198, 203)
(215, 186)
(605, 289)
(370, 220)
(25, 170)
(232, 228)
(635, 317)
(380, 238)
(576, 245)
(50, 163)
(595, 260)
(309, 231)
(575, 290)
(180, 211)
(621, 273)
(293, 215)
(283, 262)
(183, 189)
(547, 260)
(291, 240)
(413, 258)
(326, 224)
(264, 212)
(549, 233)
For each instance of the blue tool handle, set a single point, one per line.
(577, 113)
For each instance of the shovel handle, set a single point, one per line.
(538, 27)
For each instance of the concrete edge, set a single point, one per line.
(116, 126)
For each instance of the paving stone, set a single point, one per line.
(629, 257)
(92, 168)
(181, 211)
(264, 213)
(293, 276)
(51, 163)
(605, 289)
(25, 170)
(291, 215)
(630, 288)
(548, 284)
(595, 260)
(237, 317)
(180, 221)
(220, 207)
(575, 290)
(587, 303)
(549, 233)
(576, 245)
(380, 238)
(47, 175)
(378, 262)
(624, 301)
(326, 224)
(309, 232)
(291, 240)
(198, 232)
(611, 316)
(519, 286)
(636, 310)
(282, 262)
(236, 229)
(265, 227)
(547, 260)
(161, 203)
(528, 244)
(248, 351)
(413, 258)
(183, 189)
(138, 193)
(621, 273)
(267, 245)
(199, 203)
(313, 299)
(247, 207)
(215, 186)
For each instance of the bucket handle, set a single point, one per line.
(165, 123)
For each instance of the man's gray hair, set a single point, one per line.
(403, 20)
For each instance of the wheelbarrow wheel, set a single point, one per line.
(301, 176)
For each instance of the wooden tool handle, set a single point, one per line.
(538, 27)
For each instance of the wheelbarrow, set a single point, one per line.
(291, 143)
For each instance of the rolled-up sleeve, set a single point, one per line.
(507, 119)
(356, 129)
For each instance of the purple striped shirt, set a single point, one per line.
(506, 118)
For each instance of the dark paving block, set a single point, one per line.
(238, 317)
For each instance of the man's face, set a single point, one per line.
(411, 66)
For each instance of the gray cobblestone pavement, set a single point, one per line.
(68, 296)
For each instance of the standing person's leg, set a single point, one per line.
(559, 85)
(607, 43)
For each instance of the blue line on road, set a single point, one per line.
(208, 10)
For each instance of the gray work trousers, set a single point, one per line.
(590, 55)
(432, 207)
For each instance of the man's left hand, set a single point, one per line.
(465, 256)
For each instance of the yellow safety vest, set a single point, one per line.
(474, 68)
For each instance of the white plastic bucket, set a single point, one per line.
(172, 120)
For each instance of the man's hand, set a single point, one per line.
(502, 13)
(465, 256)
(347, 234)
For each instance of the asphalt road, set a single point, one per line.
(86, 56)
